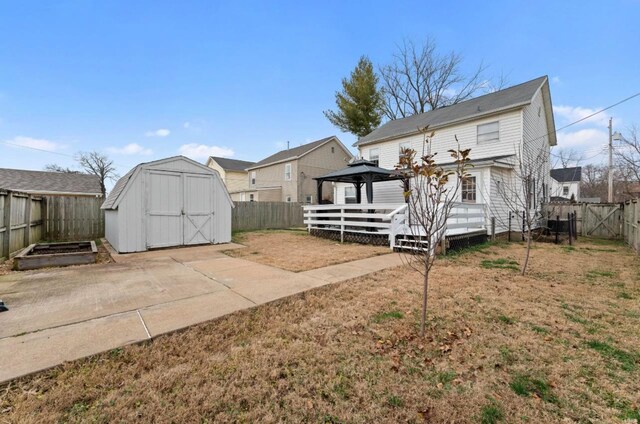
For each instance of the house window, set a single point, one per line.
(350, 195)
(374, 155)
(469, 190)
(333, 149)
(251, 197)
(565, 190)
(253, 177)
(287, 172)
(488, 132)
(288, 199)
(402, 148)
(308, 199)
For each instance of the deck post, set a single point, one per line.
(320, 191)
(341, 225)
(493, 228)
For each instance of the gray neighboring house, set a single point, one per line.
(50, 183)
(287, 176)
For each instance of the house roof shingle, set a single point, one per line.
(566, 175)
(292, 153)
(48, 182)
(518, 95)
(232, 164)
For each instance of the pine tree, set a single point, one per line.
(360, 103)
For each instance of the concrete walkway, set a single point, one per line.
(58, 315)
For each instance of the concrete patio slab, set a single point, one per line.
(182, 313)
(57, 315)
(44, 349)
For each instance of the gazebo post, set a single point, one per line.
(358, 192)
(369, 182)
(319, 200)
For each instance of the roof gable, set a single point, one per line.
(566, 175)
(232, 164)
(509, 98)
(49, 182)
(114, 198)
(296, 152)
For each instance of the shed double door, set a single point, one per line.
(180, 209)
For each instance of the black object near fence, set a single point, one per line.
(563, 226)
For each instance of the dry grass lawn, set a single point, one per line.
(559, 345)
(295, 250)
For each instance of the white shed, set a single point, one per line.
(167, 202)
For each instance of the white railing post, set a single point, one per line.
(342, 225)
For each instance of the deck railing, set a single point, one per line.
(389, 219)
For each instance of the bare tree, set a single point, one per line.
(420, 79)
(594, 181)
(567, 158)
(431, 191)
(99, 165)
(523, 191)
(53, 167)
(628, 157)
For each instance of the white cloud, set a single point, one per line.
(589, 141)
(569, 114)
(162, 132)
(187, 125)
(203, 151)
(35, 143)
(555, 80)
(130, 149)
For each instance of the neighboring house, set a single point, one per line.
(50, 183)
(496, 127)
(233, 173)
(565, 184)
(287, 176)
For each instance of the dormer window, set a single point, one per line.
(488, 133)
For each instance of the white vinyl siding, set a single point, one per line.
(489, 132)
(401, 148)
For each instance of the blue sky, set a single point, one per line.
(145, 80)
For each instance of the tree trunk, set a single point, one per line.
(424, 299)
(526, 255)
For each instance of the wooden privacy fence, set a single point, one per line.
(265, 215)
(20, 221)
(27, 219)
(631, 223)
(602, 220)
(69, 218)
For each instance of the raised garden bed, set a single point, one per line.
(43, 255)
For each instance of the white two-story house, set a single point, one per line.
(497, 127)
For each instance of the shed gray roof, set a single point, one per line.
(518, 95)
(293, 153)
(232, 164)
(566, 175)
(117, 189)
(49, 182)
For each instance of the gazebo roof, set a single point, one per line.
(359, 171)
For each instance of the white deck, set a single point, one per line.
(388, 219)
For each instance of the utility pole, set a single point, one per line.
(610, 197)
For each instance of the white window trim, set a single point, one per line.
(310, 197)
(253, 178)
(377, 155)
(491, 140)
(287, 174)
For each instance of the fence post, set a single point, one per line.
(27, 218)
(522, 225)
(569, 226)
(493, 228)
(509, 226)
(7, 225)
(443, 245)
(557, 227)
(575, 225)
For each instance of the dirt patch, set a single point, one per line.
(296, 251)
(559, 345)
(103, 258)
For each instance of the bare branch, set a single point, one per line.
(99, 165)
